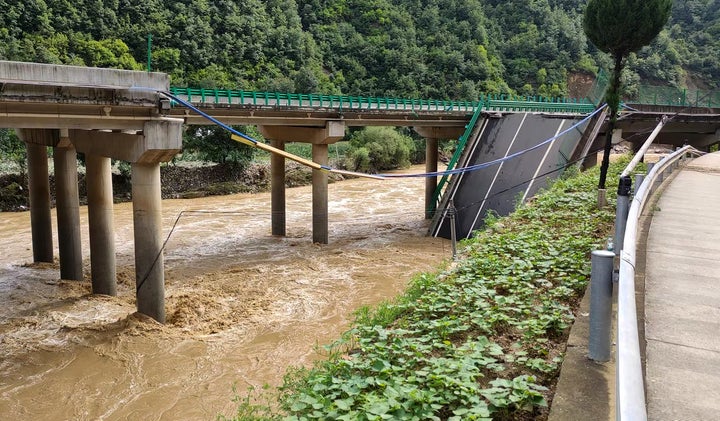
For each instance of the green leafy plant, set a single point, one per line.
(482, 339)
(379, 148)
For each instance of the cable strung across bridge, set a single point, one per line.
(248, 140)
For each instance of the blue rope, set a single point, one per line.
(207, 116)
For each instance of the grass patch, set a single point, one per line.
(480, 340)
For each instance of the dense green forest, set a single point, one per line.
(441, 49)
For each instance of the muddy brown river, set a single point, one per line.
(241, 305)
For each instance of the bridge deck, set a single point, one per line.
(682, 294)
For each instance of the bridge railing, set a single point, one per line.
(572, 106)
(630, 389)
(498, 102)
(279, 99)
(672, 96)
(597, 91)
(462, 141)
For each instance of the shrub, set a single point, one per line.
(215, 145)
(376, 149)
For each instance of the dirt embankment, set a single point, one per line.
(178, 181)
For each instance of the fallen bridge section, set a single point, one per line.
(516, 178)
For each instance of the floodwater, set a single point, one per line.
(241, 305)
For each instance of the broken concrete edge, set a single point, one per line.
(79, 76)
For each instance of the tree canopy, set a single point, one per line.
(620, 27)
(445, 49)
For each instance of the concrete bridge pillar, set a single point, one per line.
(277, 186)
(149, 271)
(67, 204)
(432, 135)
(101, 226)
(158, 142)
(39, 190)
(320, 137)
(320, 195)
(431, 161)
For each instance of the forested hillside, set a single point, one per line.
(413, 48)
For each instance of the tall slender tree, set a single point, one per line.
(620, 27)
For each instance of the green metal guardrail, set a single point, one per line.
(227, 96)
(672, 96)
(277, 99)
(657, 95)
(597, 92)
(462, 141)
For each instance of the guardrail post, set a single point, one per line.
(639, 177)
(621, 211)
(601, 286)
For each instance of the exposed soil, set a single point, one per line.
(177, 182)
(580, 84)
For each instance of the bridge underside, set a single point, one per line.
(699, 127)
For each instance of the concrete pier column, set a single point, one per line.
(431, 165)
(320, 138)
(39, 189)
(101, 226)
(431, 135)
(320, 195)
(277, 185)
(68, 212)
(149, 262)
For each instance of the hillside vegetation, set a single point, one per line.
(410, 48)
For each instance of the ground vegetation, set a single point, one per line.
(480, 339)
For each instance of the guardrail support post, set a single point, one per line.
(601, 286)
(602, 198)
(639, 177)
(621, 211)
